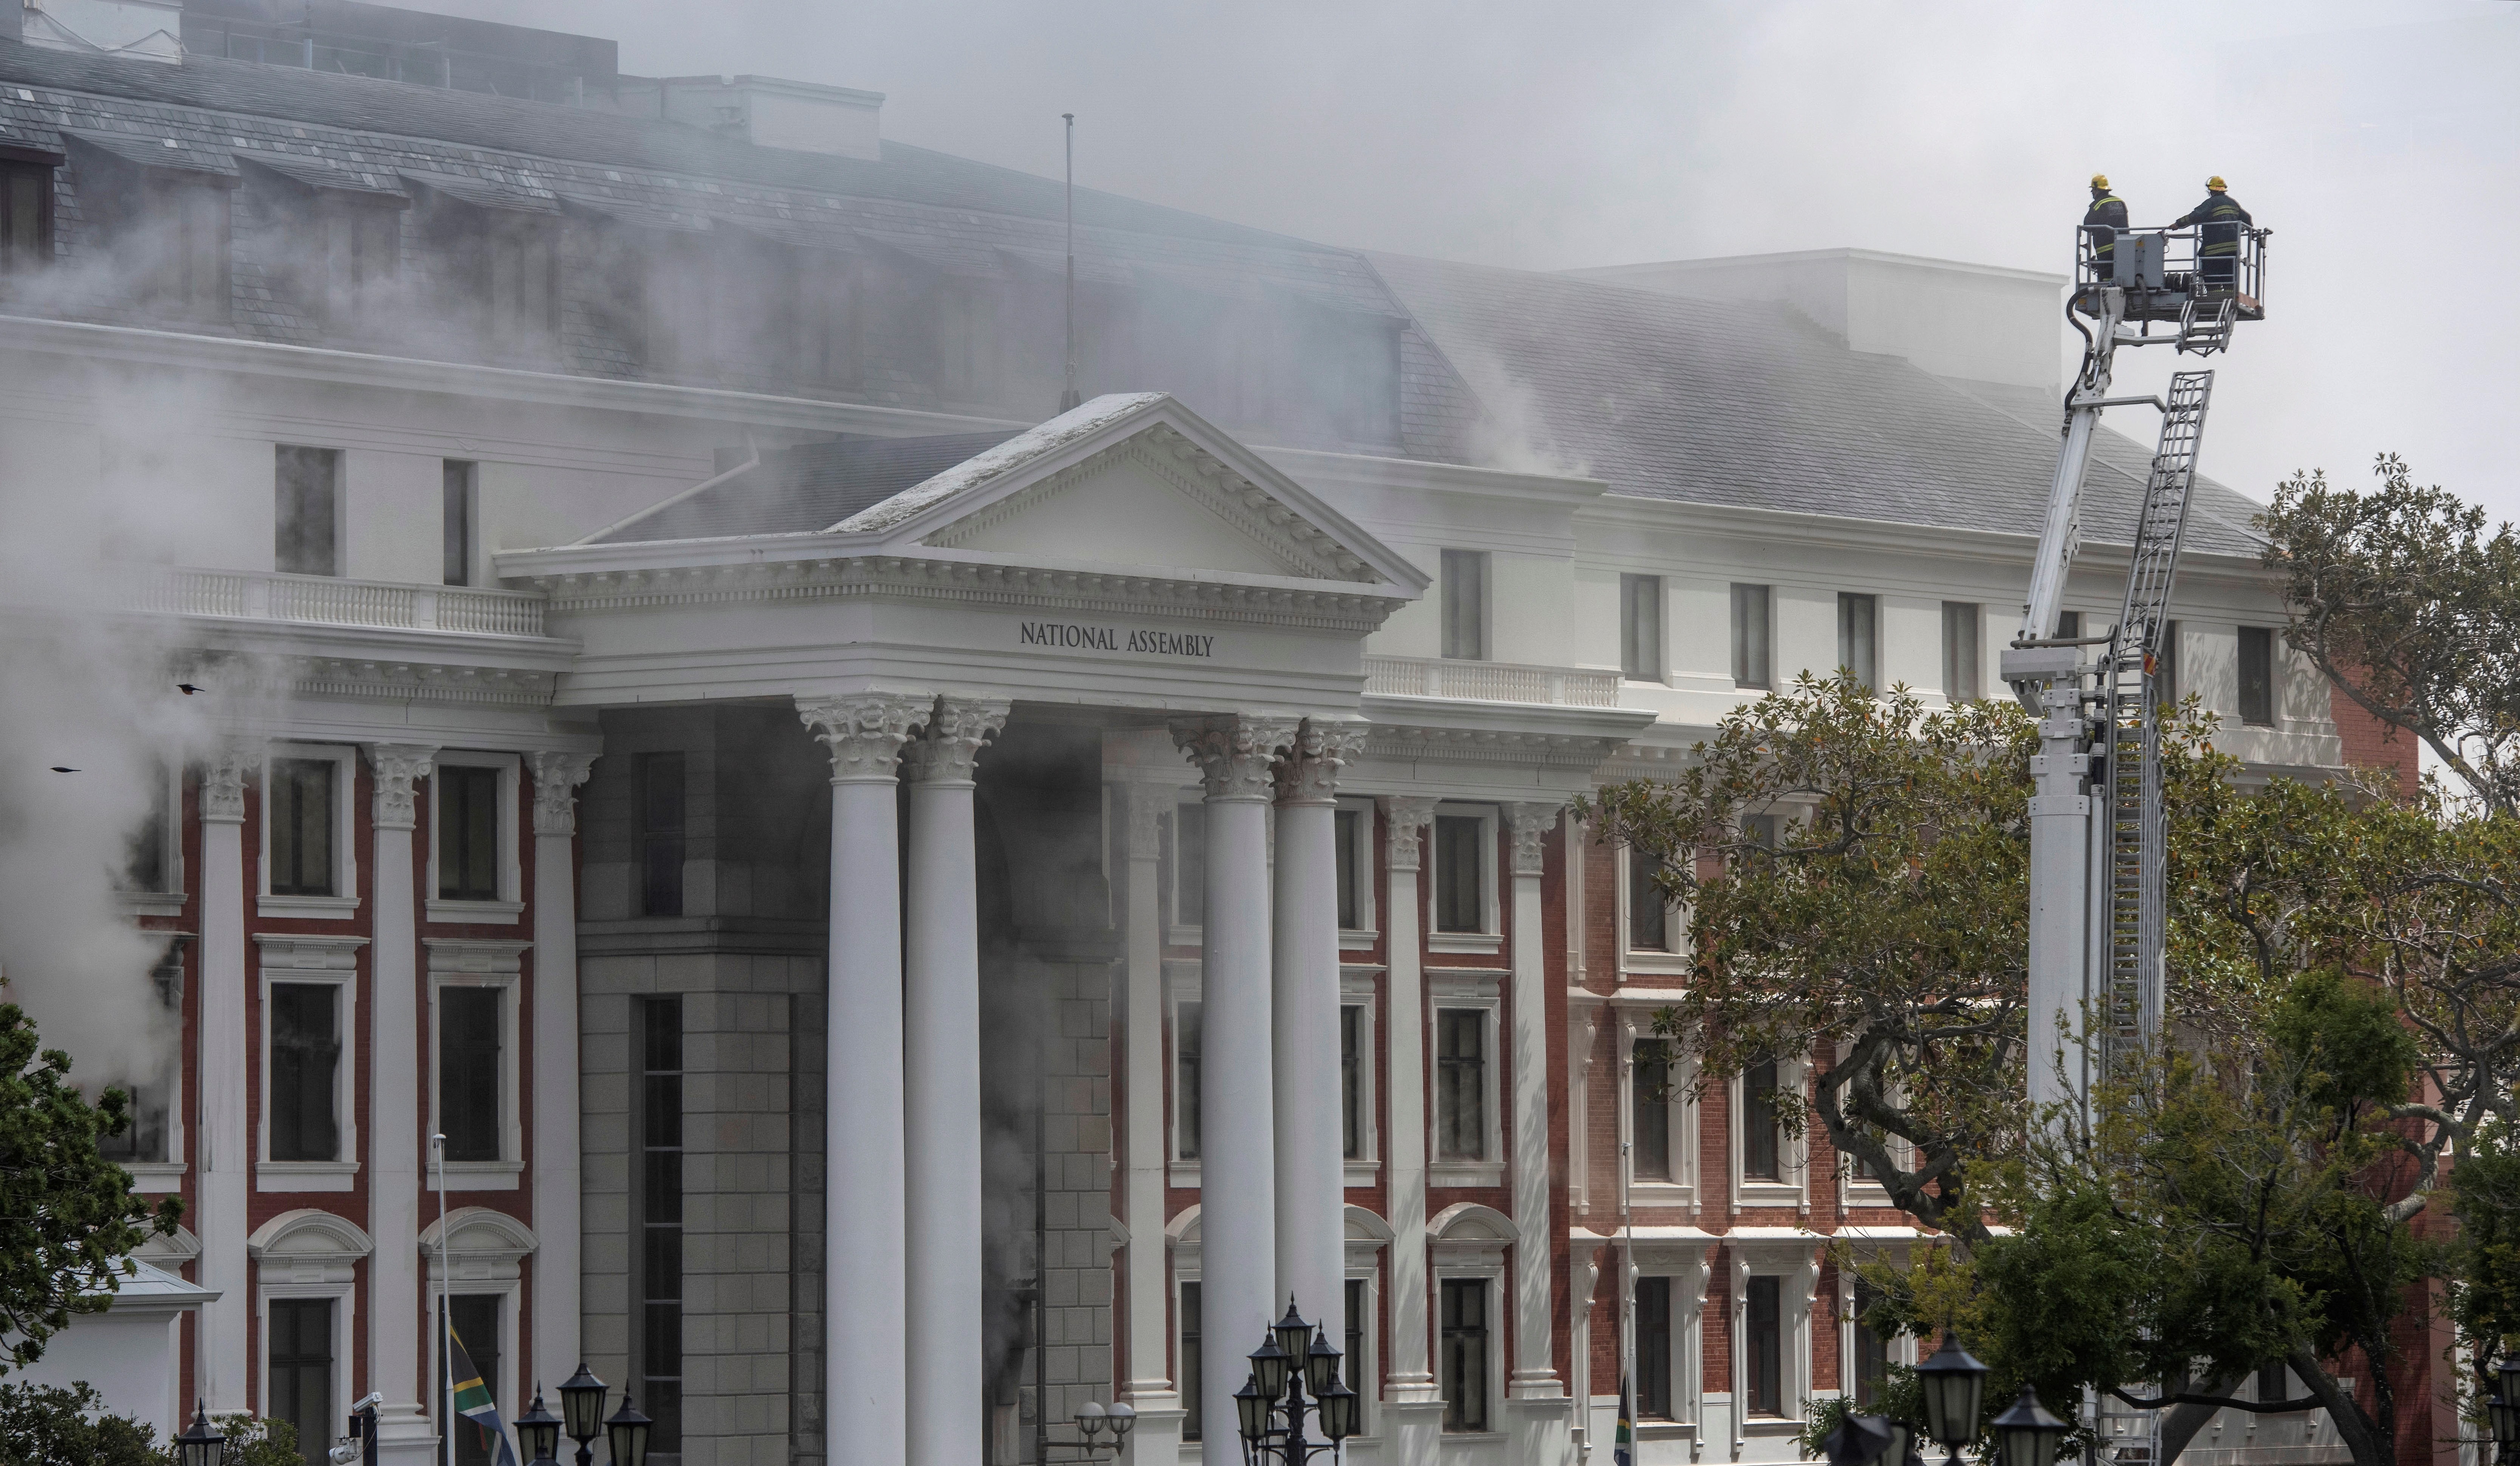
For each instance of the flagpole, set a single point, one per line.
(1627, 1260)
(445, 1318)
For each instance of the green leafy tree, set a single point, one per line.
(68, 1216)
(41, 1425)
(258, 1441)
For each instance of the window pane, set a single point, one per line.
(301, 826)
(144, 866)
(1189, 863)
(2257, 676)
(305, 1069)
(1653, 1348)
(1351, 1118)
(468, 833)
(1752, 661)
(1650, 1093)
(1464, 1360)
(1648, 909)
(1961, 621)
(1185, 1045)
(1461, 1083)
(1460, 869)
(1641, 628)
(1352, 1347)
(2165, 666)
(1464, 595)
(660, 834)
(1872, 1350)
(476, 1320)
(299, 1359)
(1350, 825)
(660, 1217)
(304, 507)
(1855, 636)
(467, 1071)
(1759, 1159)
(1190, 1361)
(1766, 1342)
(458, 476)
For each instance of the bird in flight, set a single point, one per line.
(186, 689)
(65, 769)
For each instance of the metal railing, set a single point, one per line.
(2182, 267)
(1489, 681)
(325, 600)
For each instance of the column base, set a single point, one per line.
(1412, 1389)
(1417, 1431)
(1541, 1431)
(1156, 1439)
(1539, 1385)
(405, 1435)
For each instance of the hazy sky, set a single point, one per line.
(2380, 141)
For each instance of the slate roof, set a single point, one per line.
(806, 489)
(1752, 405)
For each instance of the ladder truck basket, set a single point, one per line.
(2174, 275)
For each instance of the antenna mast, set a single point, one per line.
(1068, 398)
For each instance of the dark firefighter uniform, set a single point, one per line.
(2102, 222)
(2218, 248)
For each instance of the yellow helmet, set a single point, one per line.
(2216, 183)
(2100, 180)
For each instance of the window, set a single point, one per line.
(1462, 849)
(1648, 909)
(1351, 1113)
(1764, 1342)
(1189, 863)
(2165, 666)
(305, 1070)
(524, 292)
(474, 1317)
(184, 232)
(1461, 1083)
(302, 823)
(1350, 831)
(468, 833)
(969, 337)
(2069, 625)
(1857, 649)
(1466, 1354)
(1185, 1044)
(1961, 661)
(1869, 1349)
(825, 317)
(1760, 1154)
(300, 1361)
(1641, 628)
(2274, 1383)
(2258, 676)
(307, 516)
(469, 1076)
(25, 216)
(1190, 1361)
(660, 834)
(661, 1218)
(151, 860)
(1753, 644)
(1649, 1102)
(462, 499)
(362, 246)
(1352, 1373)
(1464, 595)
(1759, 831)
(1653, 1349)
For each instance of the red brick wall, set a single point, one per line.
(2370, 743)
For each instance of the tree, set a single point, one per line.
(68, 1216)
(40, 1425)
(2407, 603)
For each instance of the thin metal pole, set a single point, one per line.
(1068, 398)
(445, 1318)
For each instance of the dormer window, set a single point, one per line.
(163, 211)
(342, 238)
(503, 245)
(25, 212)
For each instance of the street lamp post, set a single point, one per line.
(581, 1408)
(1295, 1358)
(1953, 1382)
(2503, 1410)
(200, 1445)
(2027, 1432)
(538, 1432)
(1092, 1418)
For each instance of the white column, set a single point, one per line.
(941, 1084)
(1148, 1386)
(224, 1148)
(1238, 1171)
(1534, 1377)
(399, 1025)
(866, 1305)
(558, 1176)
(1414, 1403)
(1312, 1181)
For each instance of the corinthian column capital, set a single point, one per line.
(223, 779)
(1530, 825)
(948, 749)
(1307, 773)
(1235, 753)
(1402, 816)
(398, 767)
(864, 732)
(556, 775)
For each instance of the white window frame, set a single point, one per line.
(1793, 1257)
(1793, 1151)
(1363, 936)
(158, 1177)
(345, 759)
(1181, 1241)
(1367, 1237)
(1359, 986)
(1679, 1254)
(1671, 963)
(313, 961)
(1867, 1246)
(1489, 939)
(1183, 981)
(467, 962)
(284, 1270)
(510, 904)
(1853, 1190)
(1467, 1241)
(169, 901)
(1636, 1019)
(484, 1250)
(1481, 988)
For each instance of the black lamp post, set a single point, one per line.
(538, 1432)
(2503, 1410)
(200, 1445)
(1293, 1360)
(2027, 1432)
(581, 1408)
(1953, 1382)
(628, 1430)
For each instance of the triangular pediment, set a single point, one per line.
(1137, 482)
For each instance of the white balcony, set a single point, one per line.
(325, 601)
(1489, 681)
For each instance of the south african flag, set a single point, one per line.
(473, 1402)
